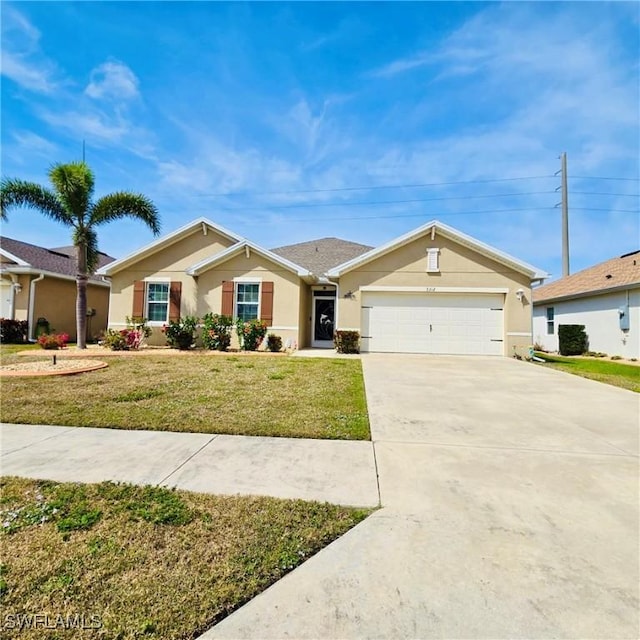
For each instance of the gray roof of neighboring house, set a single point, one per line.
(60, 260)
(611, 274)
(321, 255)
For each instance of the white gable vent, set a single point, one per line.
(433, 265)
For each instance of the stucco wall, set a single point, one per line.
(168, 264)
(55, 300)
(459, 267)
(203, 294)
(600, 316)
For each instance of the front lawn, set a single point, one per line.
(258, 395)
(626, 376)
(145, 562)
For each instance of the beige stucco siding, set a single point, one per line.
(168, 264)
(459, 267)
(55, 300)
(286, 290)
(203, 294)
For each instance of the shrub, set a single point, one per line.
(53, 340)
(347, 341)
(251, 333)
(616, 357)
(127, 339)
(216, 333)
(572, 339)
(13, 331)
(180, 333)
(274, 342)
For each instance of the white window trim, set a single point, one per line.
(551, 322)
(157, 323)
(235, 294)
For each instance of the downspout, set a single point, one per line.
(32, 297)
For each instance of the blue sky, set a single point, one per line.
(291, 121)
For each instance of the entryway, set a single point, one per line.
(323, 317)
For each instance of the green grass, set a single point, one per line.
(147, 562)
(626, 376)
(249, 395)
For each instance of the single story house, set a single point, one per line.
(604, 298)
(433, 290)
(38, 283)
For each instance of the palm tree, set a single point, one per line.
(70, 202)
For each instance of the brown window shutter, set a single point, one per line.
(227, 298)
(138, 299)
(175, 292)
(266, 303)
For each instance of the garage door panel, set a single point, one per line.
(427, 323)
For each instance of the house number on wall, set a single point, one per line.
(430, 289)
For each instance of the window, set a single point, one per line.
(247, 300)
(550, 324)
(432, 260)
(157, 301)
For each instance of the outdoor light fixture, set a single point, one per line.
(520, 294)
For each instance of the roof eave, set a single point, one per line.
(533, 272)
(587, 294)
(29, 270)
(208, 263)
(167, 240)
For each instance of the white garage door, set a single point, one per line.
(433, 323)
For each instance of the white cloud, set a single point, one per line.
(114, 80)
(22, 61)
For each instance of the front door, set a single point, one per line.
(324, 311)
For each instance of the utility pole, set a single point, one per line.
(565, 215)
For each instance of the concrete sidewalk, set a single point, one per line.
(337, 471)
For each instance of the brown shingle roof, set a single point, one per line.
(321, 255)
(60, 260)
(611, 274)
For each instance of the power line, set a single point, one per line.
(608, 210)
(379, 202)
(370, 188)
(421, 215)
(604, 178)
(593, 193)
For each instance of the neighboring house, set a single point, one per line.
(604, 298)
(40, 283)
(434, 290)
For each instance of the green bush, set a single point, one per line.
(216, 333)
(274, 343)
(13, 331)
(347, 341)
(251, 333)
(181, 333)
(572, 339)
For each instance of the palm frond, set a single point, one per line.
(74, 184)
(123, 204)
(20, 193)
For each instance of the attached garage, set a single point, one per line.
(433, 322)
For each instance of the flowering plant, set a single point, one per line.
(251, 333)
(127, 339)
(180, 333)
(53, 340)
(216, 333)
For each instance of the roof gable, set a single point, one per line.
(239, 247)
(609, 275)
(168, 240)
(436, 227)
(318, 256)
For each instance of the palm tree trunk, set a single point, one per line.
(81, 297)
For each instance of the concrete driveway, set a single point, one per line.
(510, 510)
